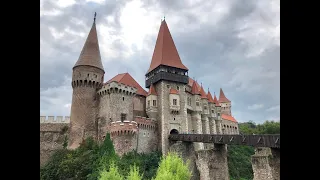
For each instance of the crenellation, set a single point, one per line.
(55, 119)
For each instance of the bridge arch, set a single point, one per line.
(174, 131)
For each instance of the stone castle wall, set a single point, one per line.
(53, 133)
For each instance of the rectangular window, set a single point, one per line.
(154, 102)
(218, 114)
(212, 111)
(174, 102)
(197, 103)
(148, 103)
(123, 117)
(205, 107)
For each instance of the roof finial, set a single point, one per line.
(94, 19)
(208, 89)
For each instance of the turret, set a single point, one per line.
(218, 115)
(225, 103)
(87, 77)
(152, 103)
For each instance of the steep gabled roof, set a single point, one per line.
(165, 51)
(152, 91)
(222, 97)
(229, 118)
(127, 79)
(90, 54)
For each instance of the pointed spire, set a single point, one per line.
(215, 100)
(194, 88)
(152, 91)
(209, 96)
(165, 51)
(90, 54)
(222, 97)
(203, 93)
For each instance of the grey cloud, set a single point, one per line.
(213, 51)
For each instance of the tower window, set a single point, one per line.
(154, 102)
(174, 102)
(123, 117)
(205, 107)
(122, 98)
(212, 111)
(148, 103)
(168, 86)
(178, 88)
(197, 103)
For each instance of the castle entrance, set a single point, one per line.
(174, 131)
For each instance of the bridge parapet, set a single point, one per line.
(272, 141)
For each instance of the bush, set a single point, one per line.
(172, 167)
(113, 173)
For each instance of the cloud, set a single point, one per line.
(230, 44)
(255, 106)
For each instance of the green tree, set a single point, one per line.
(112, 173)
(172, 167)
(134, 173)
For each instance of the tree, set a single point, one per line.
(172, 167)
(113, 173)
(134, 173)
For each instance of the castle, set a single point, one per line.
(137, 119)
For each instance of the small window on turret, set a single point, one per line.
(154, 102)
(178, 88)
(123, 117)
(122, 98)
(197, 103)
(174, 102)
(148, 103)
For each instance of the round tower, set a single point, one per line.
(87, 78)
(124, 136)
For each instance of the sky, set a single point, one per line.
(228, 44)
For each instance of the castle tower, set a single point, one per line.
(87, 77)
(168, 74)
(225, 103)
(212, 114)
(152, 98)
(218, 115)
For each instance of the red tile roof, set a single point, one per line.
(215, 100)
(203, 93)
(165, 51)
(173, 91)
(195, 89)
(127, 79)
(152, 91)
(90, 54)
(229, 118)
(209, 96)
(222, 97)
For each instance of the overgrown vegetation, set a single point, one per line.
(239, 157)
(92, 161)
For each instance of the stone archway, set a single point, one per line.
(174, 131)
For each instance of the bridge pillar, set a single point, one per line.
(212, 163)
(206, 130)
(266, 164)
(197, 117)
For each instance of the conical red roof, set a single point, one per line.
(222, 97)
(215, 100)
(209, 96)
(165, 51)
(194, 88)
(203, 93)
(152, 91)
(90, 54)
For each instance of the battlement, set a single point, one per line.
(54, 119)
(122, 128)
(147, 123)
(115, 87)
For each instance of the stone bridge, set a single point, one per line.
(212, 164)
